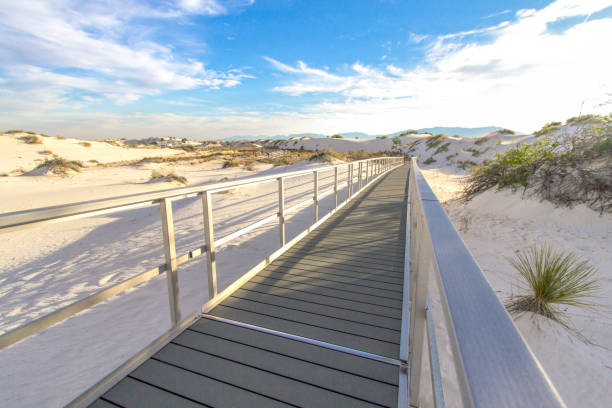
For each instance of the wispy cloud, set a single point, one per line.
(61, 47)
(499, 13)
(515, 66)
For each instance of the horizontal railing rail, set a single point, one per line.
(368, 170)
(494, 365)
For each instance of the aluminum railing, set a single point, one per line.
(359, 174)
(494, 365)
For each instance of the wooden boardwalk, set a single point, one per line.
(318, 327)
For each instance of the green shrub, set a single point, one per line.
(547, 128)
(397, 141)
(13, 131)
(429, 161)
(61, 167)
(466, 164)
(435, 141)
(382, 137)
(506, 132)
(337, 137)
(32, 139)
(442, 148)
(552, 277)
(481, 140)
(513, 168)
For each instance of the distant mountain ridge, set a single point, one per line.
(453, 131)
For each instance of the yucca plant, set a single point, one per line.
(553, 278)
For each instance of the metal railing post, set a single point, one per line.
(367, 176)
(316, 196)
(167, 222)
(418, 314)
(335, 187)
(360, 175)
(209, 234)
(351, 175)
(348, 182)
(281, 210)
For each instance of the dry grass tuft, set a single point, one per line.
(61, 167)
(32, 139)
(552, 278)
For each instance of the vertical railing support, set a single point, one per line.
(360, 175)
(335, 187)
(422, 257)
(367, 177)
(281, 210)
(209, 234)
(170, 254)
(316, 195)
(351, 176)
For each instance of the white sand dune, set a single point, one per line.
(44, 268)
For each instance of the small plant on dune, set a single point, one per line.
(231, 163)
(397, 141)
(169, 177)
(176, 178)
(435, 141)
(547, 128)
(61, 167)
(47, 151)
(337, 137)
(429, 161)
(481, 141)
(85, 144)
(506, 132)
(61, 137)
(552, 278)
(32, 139)
(442, 148)
(464, 223)
(12, 131)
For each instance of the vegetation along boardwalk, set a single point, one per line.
(320, 326)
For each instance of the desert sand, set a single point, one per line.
(45, 268)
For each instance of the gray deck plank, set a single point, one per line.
(326, 291)
(255, 380)
(323, 310)
(383, 348)
(314, 319)
(324, 300)
(307, 352)
(131, 392)
(330, 283)
(289, 260)
(370, 274)
(357, 279)
(307, 372)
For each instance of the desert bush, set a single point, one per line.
(61, 137)
(3, 174)
(582, 119)
(176, 178)
(466, 164)
(442, 148)
(169, 177)
(382, 137)
(481, 140)
(547, 128)
(32, 139)
(464, 223)
(47, 151)
(397, 141)
(13, 131)
(85, 144)
(233, 162)
(435, 141)
(337, 137)
(506, 132)
(450, 156)
(429, 161)
(552, 277)
(60, 166)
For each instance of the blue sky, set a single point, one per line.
(212, 68)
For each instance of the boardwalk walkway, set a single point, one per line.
(318, 327)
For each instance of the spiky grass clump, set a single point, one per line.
(553, 278)
(61, 167)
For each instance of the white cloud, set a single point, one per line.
(518, 76)
(62, 47)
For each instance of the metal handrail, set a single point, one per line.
(494, 365)
(24, 219)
